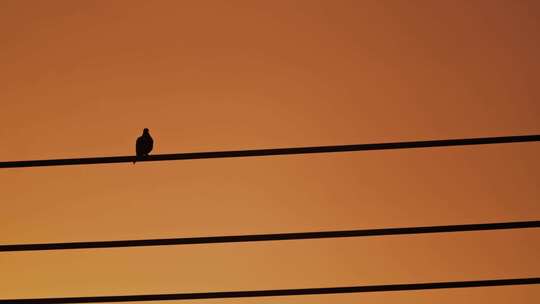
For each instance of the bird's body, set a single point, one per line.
(144, 145)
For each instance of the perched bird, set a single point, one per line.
(144, 145)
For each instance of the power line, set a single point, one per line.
(271, 152)
(277, 292)
(271, 237)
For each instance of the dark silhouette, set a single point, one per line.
(144, 145)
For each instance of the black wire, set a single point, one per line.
(272, 237)
(276, 292)
(272, 152)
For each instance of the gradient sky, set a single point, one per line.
(82, 78)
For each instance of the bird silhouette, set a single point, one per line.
(144, 145)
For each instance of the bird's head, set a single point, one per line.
(145, 131)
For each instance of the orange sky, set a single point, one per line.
(82, 78)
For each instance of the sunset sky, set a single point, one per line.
(83, 78)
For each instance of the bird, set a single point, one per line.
(144, 145)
